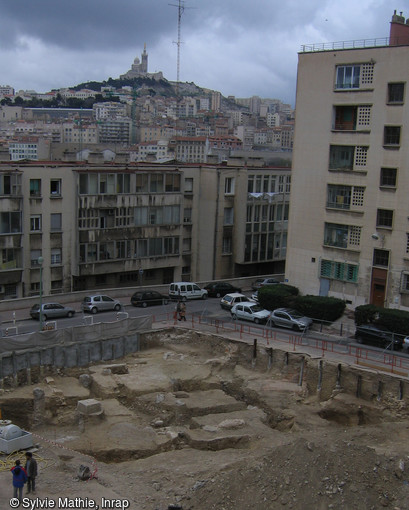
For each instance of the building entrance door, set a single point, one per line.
(378, 286)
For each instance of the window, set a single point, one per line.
(381, 258)
(227, 245)
(107, 184)
(55, 187)
(187, 245)
(141, 183)
(388, 177)
(10, 222)
(404, 287)
(396, 92)
(345, 118)
(35, 187)
(384, 218)
(341, 157)
(56, 256)
(229, 186)
(35, 223)
(347, 77)
(34, 256)
(187, 215)
(172, 182)
(228, 216)
(123, 183)
(344, 157)
(189, 185)
(336, 235)
(156, 183)
(339, 271)
(391, 135)
(56, 222)
(342, 236)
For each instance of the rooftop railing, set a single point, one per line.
(358, 43)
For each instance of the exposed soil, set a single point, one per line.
(200, 426)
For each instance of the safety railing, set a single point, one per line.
(336, 347)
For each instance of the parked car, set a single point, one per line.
(289, 318)
(51, 311)
(378, 336)
(261, 282)
(186, 290)
(255, 296)
(229, 300)
(148, 297)
(100, 303)
(250, 312)
(220, 289)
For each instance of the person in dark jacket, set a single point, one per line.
(31, 470)
(19, 479)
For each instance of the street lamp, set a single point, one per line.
(40, 261)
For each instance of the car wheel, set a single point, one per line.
(165, 301)
(218, 294)
(44, 317)
(117, 308)
(296, 328)
(359, 340)
(184, 299)
(257, 321)
(204, 296)
(144, 304)
(94, 310)
(69, 315)
(234, 316)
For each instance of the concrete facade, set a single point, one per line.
(107, 225)
(349, 231)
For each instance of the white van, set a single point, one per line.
(186, 290)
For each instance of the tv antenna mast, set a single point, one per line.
(181, 9)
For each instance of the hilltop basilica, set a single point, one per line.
(140, 69)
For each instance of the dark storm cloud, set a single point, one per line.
(80, 24)
(240, 47)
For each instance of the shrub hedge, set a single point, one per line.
(281, 295)
(395, 320)
(320, 307)
(287, 296)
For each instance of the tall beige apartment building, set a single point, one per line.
(349, 219)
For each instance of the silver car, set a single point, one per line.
(51, 311)
(100, 303)
(249, 312)
(289, 318)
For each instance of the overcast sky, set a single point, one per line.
(239, 47)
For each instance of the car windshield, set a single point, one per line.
(295, 315)
(35, 307)
(87, 300)
(256, 308)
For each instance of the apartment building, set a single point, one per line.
(349, 219)
(75, 226)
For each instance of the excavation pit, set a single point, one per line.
(181, 415)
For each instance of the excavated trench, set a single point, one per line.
(160, 402)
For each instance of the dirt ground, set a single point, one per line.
(191, 425)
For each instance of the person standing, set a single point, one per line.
(182, 312)
(31, 469)
(19, 479)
